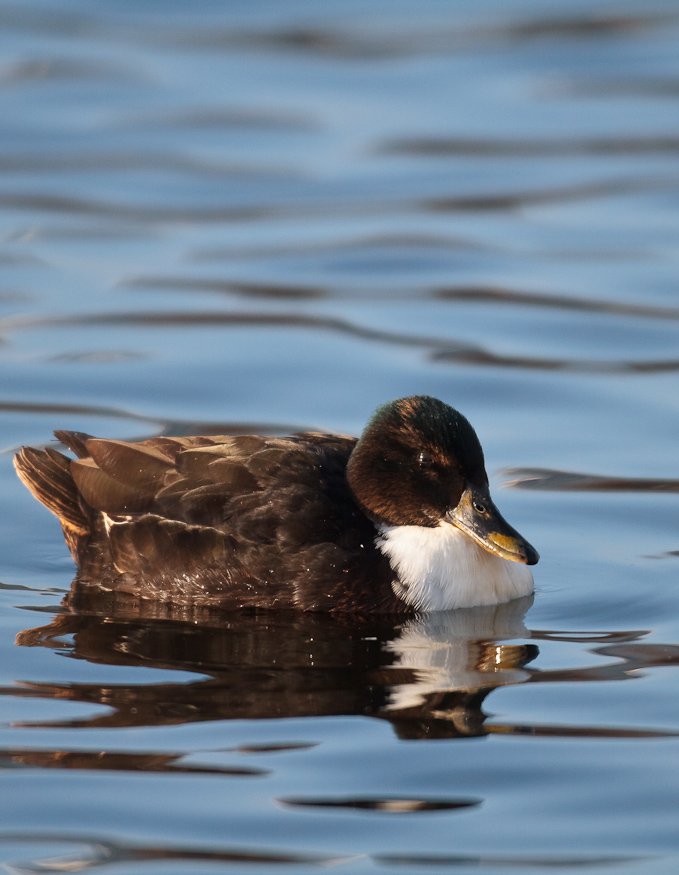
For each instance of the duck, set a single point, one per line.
(398, 521)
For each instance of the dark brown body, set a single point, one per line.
(225, 521)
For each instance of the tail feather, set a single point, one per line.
(75, 441)
(47, 475)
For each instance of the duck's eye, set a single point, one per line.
(424, 460)
(479, 507)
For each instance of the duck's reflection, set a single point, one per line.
(445, 664)
(428, 676)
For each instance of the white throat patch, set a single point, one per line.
(441, 568)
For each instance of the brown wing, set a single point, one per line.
(243, 520)
(199, 480)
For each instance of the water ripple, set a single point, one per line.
(498, 295)
(99, 851)
(620, 86)
(116, 761)
(386, 805)
(371, 42)
(442, 350)
(486, 148)
(62, 68)
(219, 286)
(168, 427)
(132, 160)
(551, 480)
(222, 117)
(491, 861)
(549, 195)
(323, 206)
(296, 247)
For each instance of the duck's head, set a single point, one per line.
(420, 463)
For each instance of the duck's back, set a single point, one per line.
(233, 521)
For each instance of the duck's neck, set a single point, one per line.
(441, 568)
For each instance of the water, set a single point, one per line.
(274, 216)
